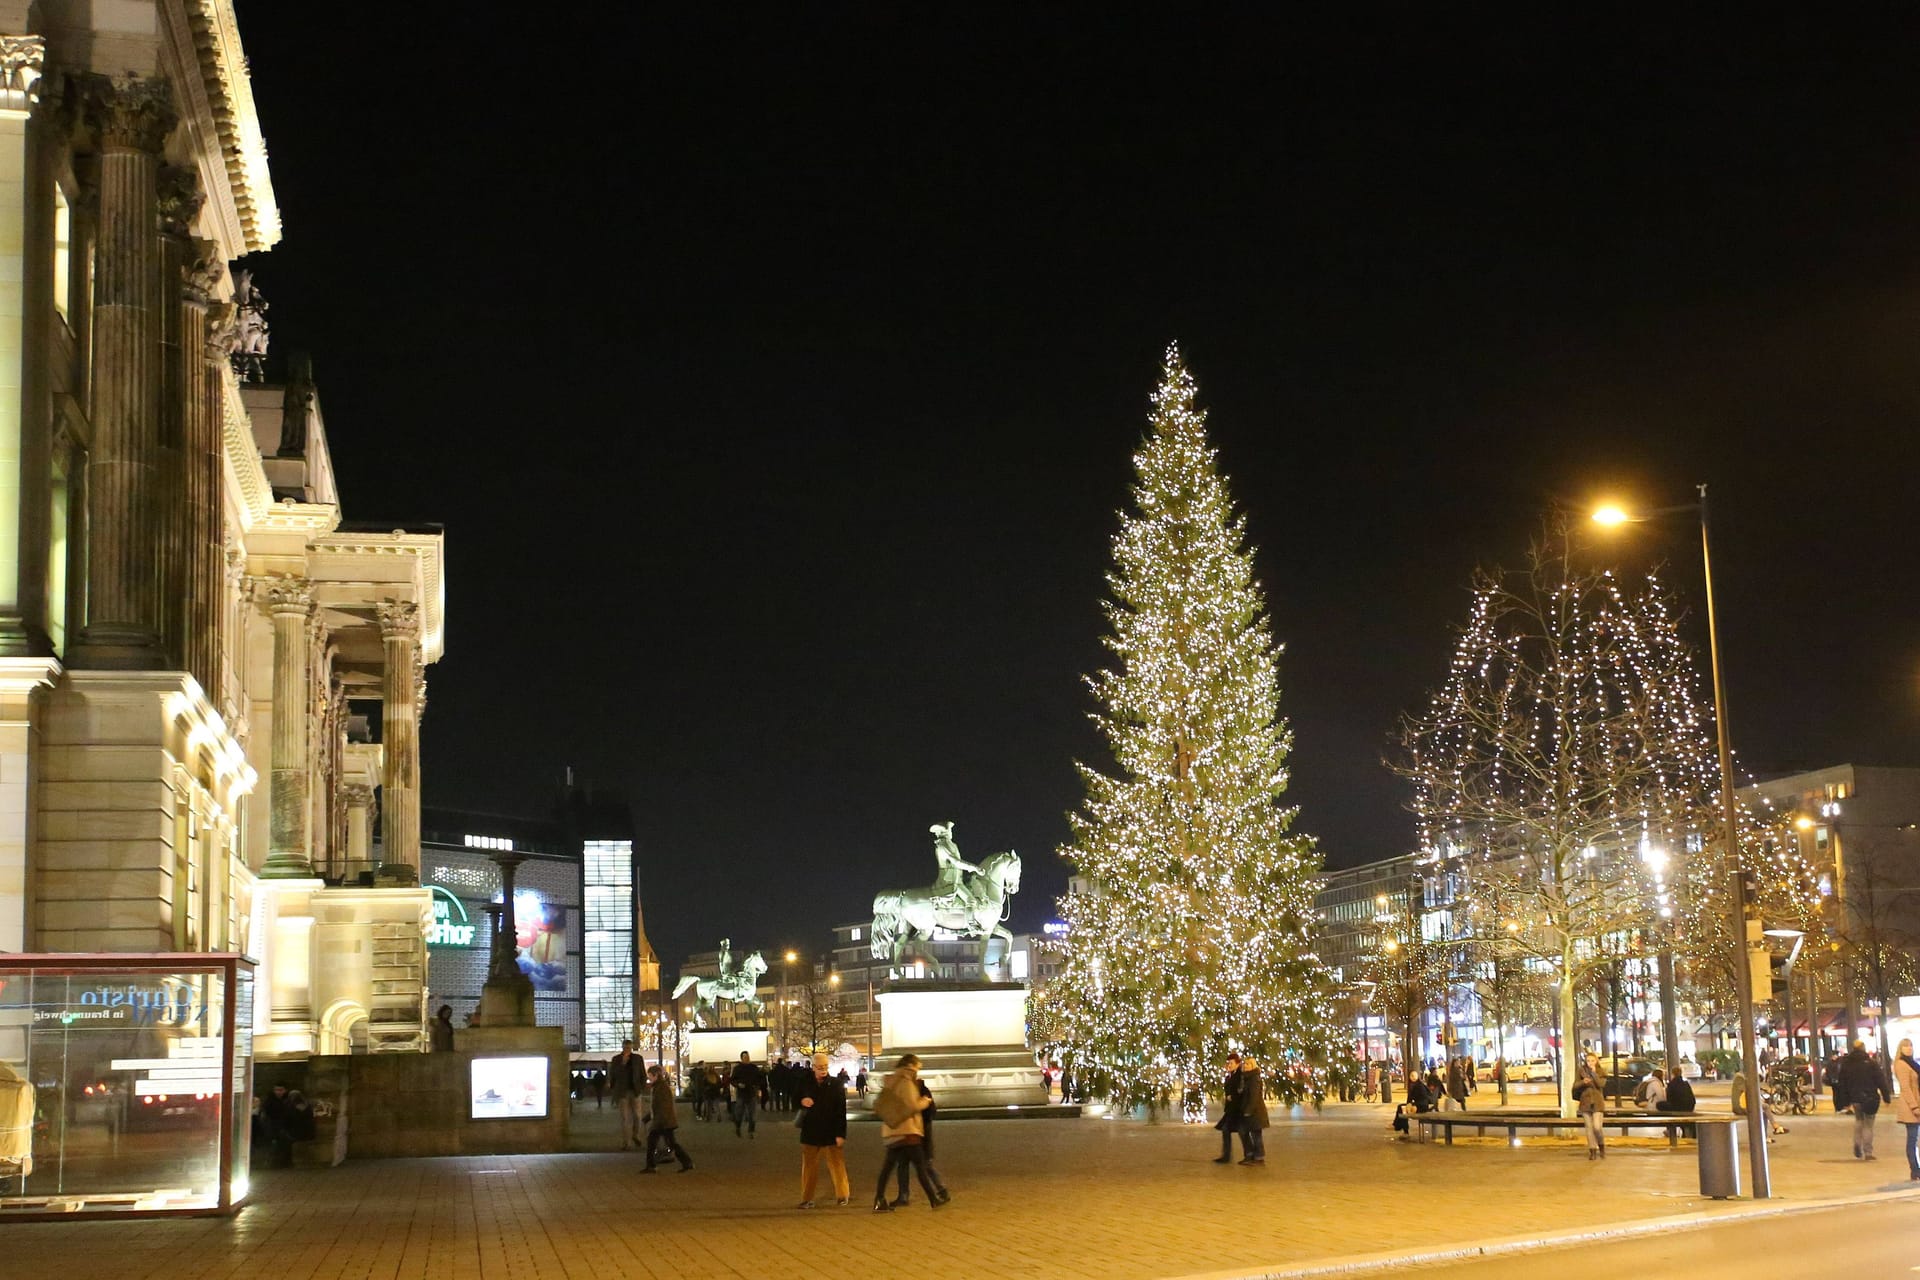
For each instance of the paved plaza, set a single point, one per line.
(1045, 1198)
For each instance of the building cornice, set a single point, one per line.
(220, 98)
(244, 467)
(424, 548)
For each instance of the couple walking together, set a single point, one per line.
(905, 1108)
(1245, 1113)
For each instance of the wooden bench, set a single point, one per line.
(1674, 1122)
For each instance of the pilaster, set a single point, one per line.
(131, 119)
(289, 602)
(20, 681)
(400, 734)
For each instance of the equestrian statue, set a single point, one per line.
(738, 985)
(965, 900)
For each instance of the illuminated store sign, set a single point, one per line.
(1054, 928)
(451, 928)
(167, 1005)
(490, 842)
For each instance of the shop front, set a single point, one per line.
(125, 1084)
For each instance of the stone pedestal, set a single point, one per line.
(970, 1038)
(421, 1104)
(722, 1045)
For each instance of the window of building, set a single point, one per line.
(62, 255)
(57, 558)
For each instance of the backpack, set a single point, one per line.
(891, 1105)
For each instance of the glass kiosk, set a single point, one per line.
(125, 1084)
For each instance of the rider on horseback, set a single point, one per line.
(949, 888)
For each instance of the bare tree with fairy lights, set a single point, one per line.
(1565, 779)
(1198, 937)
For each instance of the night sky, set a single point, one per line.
(775, 373)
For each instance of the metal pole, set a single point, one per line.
(1813, 1022)
(1743, 968)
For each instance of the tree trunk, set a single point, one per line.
(1569, 1032)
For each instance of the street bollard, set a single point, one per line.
(1719, 1159)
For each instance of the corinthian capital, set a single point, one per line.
(178, 198)
(399, 619)
(22, 58)
(130, 112)
(283, 594)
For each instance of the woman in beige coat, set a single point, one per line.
(1906, 1103)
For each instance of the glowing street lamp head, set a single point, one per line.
(1610, 515)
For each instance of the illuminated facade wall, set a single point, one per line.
(464, 880)
(612, 914)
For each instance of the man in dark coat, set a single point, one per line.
(823, 1132)
(1229, 1123)
(748, 1082)
(663, 1122)
(1864, 1086)
(625, 1078)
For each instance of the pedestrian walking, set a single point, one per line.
(663, 1122)
(823, 1133)
(1865, 1085)
(1457, 1076)
(899, 1105)
(1906, 1103)
(1253, 1113)
(1233, 1091)
(626, 1078)
(926, 1144)
(748, 1081)
(1372, 1089)
(1591, 1095)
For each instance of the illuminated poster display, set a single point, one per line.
(542, 940)
(509, 1088)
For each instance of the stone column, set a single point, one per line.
(131, 119)
(203, 524)
(400, 735)
(358, 798)
(289, 601)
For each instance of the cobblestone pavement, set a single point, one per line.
(1040, 1198)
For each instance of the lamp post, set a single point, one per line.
(1742, 968)
(786, 977)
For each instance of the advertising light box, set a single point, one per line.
(508, 1089)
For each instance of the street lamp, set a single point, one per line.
(1611, 516)
(786, 1026)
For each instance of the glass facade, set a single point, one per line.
(610, 913)
(125, 1084)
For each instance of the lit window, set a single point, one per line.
(62, 253)
(855, 936)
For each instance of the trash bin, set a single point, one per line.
(1719, 1158)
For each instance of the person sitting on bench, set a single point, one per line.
(1679, 1095)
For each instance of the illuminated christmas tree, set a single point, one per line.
(1197, 936)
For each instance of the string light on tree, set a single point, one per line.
(1197, 937)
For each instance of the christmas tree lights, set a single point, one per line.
(1198, 935)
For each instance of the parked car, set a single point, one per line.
(1485, 1072)
(1530, 1069)
(1627, 1080)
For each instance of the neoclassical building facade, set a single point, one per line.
(211, 682)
